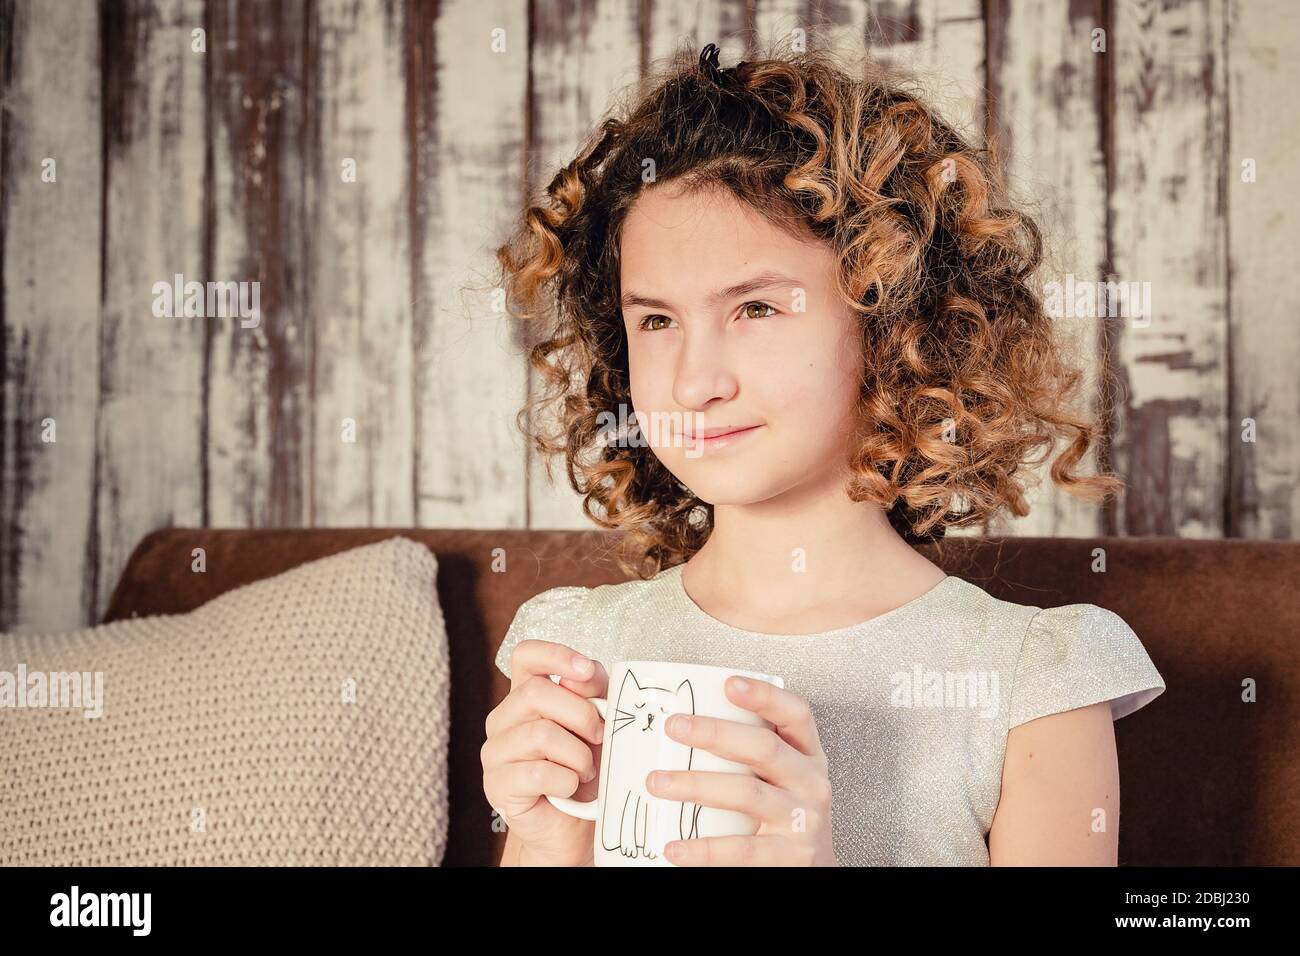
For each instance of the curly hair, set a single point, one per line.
(930, 255)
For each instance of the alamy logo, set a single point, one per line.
(195, 300)
(921, 688)
(102, 909)
(72, 689)
(1093, 299)
(633, 429)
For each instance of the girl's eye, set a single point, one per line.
(647, 323)
(644, 324)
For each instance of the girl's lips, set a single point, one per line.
(720, 441)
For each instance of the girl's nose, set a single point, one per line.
(703, 373)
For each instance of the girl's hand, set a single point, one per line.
(791, 797)
(545, 738)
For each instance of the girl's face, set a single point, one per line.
(732, 323)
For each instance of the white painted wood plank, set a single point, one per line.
(151, 414)
(50, 313)
(1049, 122)
(470, 377)
(786, 26)
(690, 24)
(360, 278)
(780, 27)
(1168, 229)
(580, 59)
(941, 44)
(258, 399)
(1264, 236)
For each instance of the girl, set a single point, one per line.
(814, 291)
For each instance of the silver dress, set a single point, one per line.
(912, 706)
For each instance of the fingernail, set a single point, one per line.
(680, 724)
(741, 684)
(581, 664)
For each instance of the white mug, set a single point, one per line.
(632, 825)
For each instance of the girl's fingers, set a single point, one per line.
(541, 697)
(786, 711)
(726, 791)
(513, 789)
(542, 658)
(771, 757)
(540, 739)
(739, 851)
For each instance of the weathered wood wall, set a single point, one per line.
(135, 148)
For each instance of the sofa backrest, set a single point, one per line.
(1207, 779)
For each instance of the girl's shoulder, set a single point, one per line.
(583, 618)
(1080, 654)
(1068, 656)
(553, 615)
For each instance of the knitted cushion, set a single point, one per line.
(299, 720)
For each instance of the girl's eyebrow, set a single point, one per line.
(764, 280)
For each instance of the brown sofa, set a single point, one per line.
(1207, 779)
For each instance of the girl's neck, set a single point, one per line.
(804, 566)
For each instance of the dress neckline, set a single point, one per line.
(687, 603)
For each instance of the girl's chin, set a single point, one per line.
(718, 491)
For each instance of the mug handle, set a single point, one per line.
(578, 808)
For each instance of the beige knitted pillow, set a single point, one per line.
(299, 720)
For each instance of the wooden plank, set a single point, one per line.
(790, 26)
(1168, 228)
(258, 402)
(779, 25)
(842, 26)
(1047, 123)
(50, 243)
(151, 411)
(359, 280)
(1264, 234)
(582, 56)
(670, 25)
(469, 376)
(941, 44)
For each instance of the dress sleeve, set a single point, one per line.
(554, 615)
(1077, 655)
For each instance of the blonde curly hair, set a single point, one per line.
(931, 256)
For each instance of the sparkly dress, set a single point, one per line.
(912, 706)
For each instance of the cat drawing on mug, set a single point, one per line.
(638, 739)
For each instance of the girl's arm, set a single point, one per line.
(1060, 792)
(516, 854)
(510, 855)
